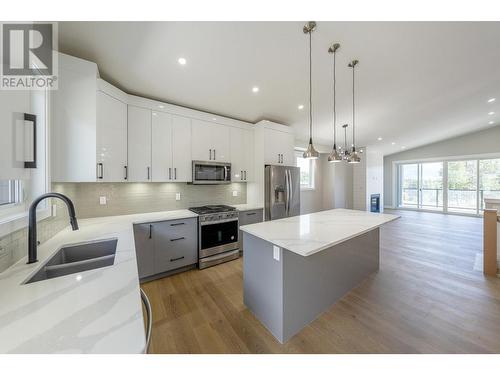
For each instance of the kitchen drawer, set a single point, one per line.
(176, 244)
(177, 228)
(175, 252)
(247, 218)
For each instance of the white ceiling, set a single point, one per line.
(417, 82)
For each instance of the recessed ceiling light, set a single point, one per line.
(393, 143)
(403, 147)
(491, 100)
(154, 113)
(255, 89)
(491, 122)
(301, 106)
(182, 61)
(379, 138)
(491, 113)
(214, 118)
(161, 106)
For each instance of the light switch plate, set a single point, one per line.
(235, 193)
(102, 200)
(177, 196)
(276, 253)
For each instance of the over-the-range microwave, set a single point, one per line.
(211, 172)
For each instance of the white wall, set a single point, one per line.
(478, 143)
(374, 176)
(333, 187)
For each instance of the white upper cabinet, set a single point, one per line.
(139, 144)
(181, 149)
(210, 141)
(171, 148)
(242, 145)
(279, 147)
(161, 147)
(111, 139)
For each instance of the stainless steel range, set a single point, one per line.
(217, 234)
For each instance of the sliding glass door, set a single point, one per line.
(458, 186)
(431, 186)
(489, 180)
(408, 182)
(462, 186)
(421, 186)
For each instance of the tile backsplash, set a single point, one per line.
(121, 199)
(131, 198)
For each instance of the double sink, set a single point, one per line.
(77, 258)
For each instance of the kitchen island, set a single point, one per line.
(296, 268)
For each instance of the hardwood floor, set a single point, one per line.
(426, 298)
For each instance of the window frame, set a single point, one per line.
(311, 186)
(445, 160)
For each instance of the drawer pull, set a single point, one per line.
(177, 239)
(252, 213)
(174, 259)
(174, 224)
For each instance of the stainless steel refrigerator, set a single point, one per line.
(282, 192)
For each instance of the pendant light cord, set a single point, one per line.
(310, 86)
(334, 102)
(353, 111)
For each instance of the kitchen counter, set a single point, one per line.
(311, 233)
(97, 311)
(296, 268)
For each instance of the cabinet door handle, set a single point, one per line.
(174, 259)
(245, 175)
(279, 159)
(241, 175)
(214, 154)
(150, 231)
(175, 173)
(174, 224)
(210, 153)
(177, 239)
(126, 173)
(251, 213)
(169, 173)
(148, 172)
(100, 171)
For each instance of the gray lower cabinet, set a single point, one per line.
(246, 218)
(165, 246)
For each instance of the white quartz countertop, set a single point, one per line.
(311, 233)
(97, 311)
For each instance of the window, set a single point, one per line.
(458, 186)
(10, 192)
(306, 171)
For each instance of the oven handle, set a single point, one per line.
(218, 221)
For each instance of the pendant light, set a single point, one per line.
(345, 154)
(311, 152)
(334, 156)
(354, 156)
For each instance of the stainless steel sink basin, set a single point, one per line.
(77, 258)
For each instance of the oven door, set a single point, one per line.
(211, 172)
(216, 238)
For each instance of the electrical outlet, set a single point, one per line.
(102, 201)
(177, 196)
(235, 193)
(276, 253)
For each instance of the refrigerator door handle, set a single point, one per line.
(287, 184)
(290, 188)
